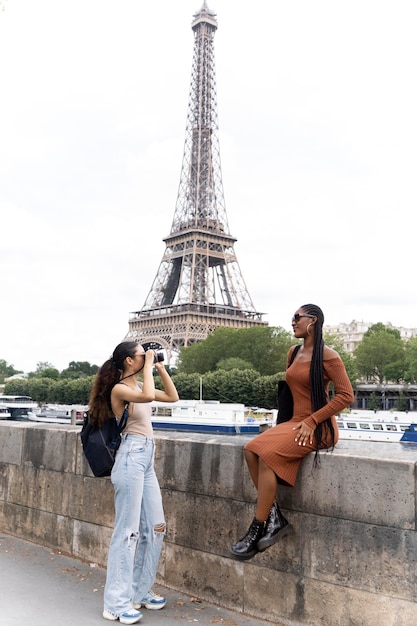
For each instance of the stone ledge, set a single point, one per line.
(355, 540)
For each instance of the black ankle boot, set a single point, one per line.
(276, 527)
(247, 547)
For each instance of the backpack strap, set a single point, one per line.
(122, 423)
(293, 354)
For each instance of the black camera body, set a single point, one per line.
(159, 357)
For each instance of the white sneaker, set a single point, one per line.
(152, 601)
(128, 617)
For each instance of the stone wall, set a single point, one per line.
(351, 561)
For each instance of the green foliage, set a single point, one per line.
(6, 370)
(49, 372)
(374, 403)
(266, 390)
(79, 369)
(188, 386)
(380, 327)
(381, 354)
(235, 386)
(47, 390)
(410, 373)
(264, 347)
(402, 403)
(233, 363)
(18, 387)
(42, 368)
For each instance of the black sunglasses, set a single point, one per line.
(296, 318)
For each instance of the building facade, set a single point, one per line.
(352, 334)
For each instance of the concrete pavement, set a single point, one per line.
(40, 587)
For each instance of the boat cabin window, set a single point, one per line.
(392, 427)
(352, 425)
(365, 426)
(377, 427)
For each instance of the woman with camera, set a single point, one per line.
(274, 457)
(139, 526)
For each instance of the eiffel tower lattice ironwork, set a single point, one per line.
(199, 286)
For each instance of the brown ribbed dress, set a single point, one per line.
(277, 446)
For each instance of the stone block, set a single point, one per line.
(359, 485)
(11, 443)
(91, 542)
(40, 489)
(49, 448)
(91, 500)
(47, 529)
(342, 606)
(373, 558)
(209, 577)
(270, 594)
(199, 466)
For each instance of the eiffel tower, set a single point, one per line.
(199, 286)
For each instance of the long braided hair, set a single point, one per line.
(317, 389)
(99, 406)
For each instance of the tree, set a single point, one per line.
(18, 387)
(374, 403)
(234, 386)
(381, 354)
(41, 368)
(188, 385)
(410, 374)
(6, 370)
(233, 363)
(264, 347)
(79, 369)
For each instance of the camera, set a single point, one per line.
(153, 345)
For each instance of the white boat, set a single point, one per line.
(206, 417)
(58, 414)
(381, 426)
(18, 406)
(4, 413)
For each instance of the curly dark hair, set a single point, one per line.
(317, 389)
(107, 376)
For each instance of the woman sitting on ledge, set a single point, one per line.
(274, 456)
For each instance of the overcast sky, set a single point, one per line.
(318, 137)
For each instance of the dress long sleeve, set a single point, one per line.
(334, 371)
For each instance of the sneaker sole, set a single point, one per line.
(154, 607)
(126, 620)
(150, 607)
(287, 530)
(122, 620)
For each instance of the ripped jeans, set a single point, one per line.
(139, 526)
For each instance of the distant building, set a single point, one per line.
(19, 376)
(352, 334)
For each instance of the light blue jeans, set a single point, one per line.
(135, 545)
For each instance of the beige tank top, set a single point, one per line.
(140, 419)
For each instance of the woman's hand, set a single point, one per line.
(159, 366)
(149, 357)
(304, 435)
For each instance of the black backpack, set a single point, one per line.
(100, 444)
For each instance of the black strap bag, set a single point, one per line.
(100, 444)
(285, 399)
